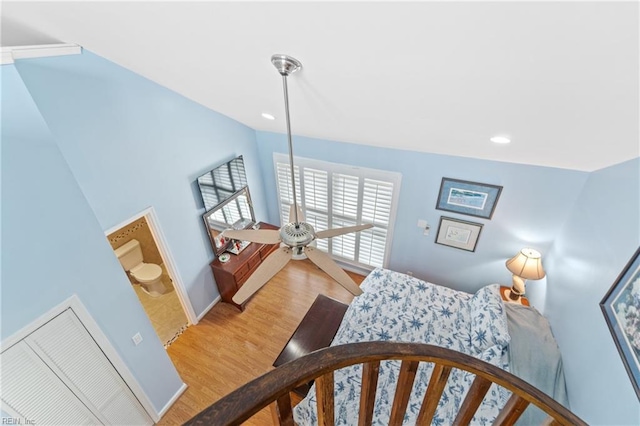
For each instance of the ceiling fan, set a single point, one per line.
(296, 235)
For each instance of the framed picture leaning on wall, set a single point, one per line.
(621, 309)
(470, 198)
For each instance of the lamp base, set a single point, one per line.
(514, 294)
(508, 295)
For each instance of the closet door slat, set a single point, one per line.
(36, 394)
(70, 351)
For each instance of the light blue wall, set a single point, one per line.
(131, 144)
(53, 246)
(533, 206)
(594, 245)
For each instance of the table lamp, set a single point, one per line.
(526, 265)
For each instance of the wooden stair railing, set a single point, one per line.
(275, 386)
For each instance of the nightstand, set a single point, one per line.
(505, 291)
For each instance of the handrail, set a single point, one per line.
(244, 402)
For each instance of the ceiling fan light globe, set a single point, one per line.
(297, 234)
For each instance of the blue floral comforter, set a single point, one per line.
(401, 308)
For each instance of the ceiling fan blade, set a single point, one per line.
(262, 236)
(292, 216)
(271, 266)
(341, 231)
(324, 262)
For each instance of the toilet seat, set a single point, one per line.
(146, 272)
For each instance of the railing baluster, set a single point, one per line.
(474, 398)
(370, 372)
(438, 380)
(511, 411)
(324, 397)
(403, 391)
(283, 410)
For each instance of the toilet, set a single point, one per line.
(149, 275)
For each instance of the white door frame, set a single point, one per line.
(152, 220)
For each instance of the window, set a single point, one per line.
(335, 195)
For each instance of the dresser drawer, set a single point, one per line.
(266, 250)
(240, 279)
(241, 271)
(254, 261)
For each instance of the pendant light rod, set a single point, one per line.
(293, 178)
(287, 65)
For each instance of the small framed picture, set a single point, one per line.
(458, 233)
(621, 309)
(470, 198)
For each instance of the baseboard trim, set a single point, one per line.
(172, 401)
(208, 308)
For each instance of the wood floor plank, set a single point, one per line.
(228, 348)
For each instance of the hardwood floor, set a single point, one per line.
(228, 348)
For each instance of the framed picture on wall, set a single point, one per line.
(458, 233)
(621, 309)
(470, 198)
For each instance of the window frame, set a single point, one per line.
(301, 163)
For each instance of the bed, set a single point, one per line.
(401, 308)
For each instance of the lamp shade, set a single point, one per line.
(527, 264)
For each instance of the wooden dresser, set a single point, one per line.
(232, 274)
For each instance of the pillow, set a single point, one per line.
(488, 319)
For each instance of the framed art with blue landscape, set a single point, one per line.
(470, 198)
(621, 309)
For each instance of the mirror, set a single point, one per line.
(236, 212)
(222, 182)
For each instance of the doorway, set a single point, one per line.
(165, 302)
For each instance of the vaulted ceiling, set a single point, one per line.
(559, 78)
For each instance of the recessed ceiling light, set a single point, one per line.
(500, 139)
(268, 116)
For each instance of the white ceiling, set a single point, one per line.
(561, 78)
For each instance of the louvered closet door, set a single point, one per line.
(34, 393)
(70, 351)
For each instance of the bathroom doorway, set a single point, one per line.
(161, 295)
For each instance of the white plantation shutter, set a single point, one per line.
(344, 213)
(345, 196)
(377, 201)
(336, 195)
(319, 222)
(315, 190)
(316, 201)
(283, 176)
(344, 245)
